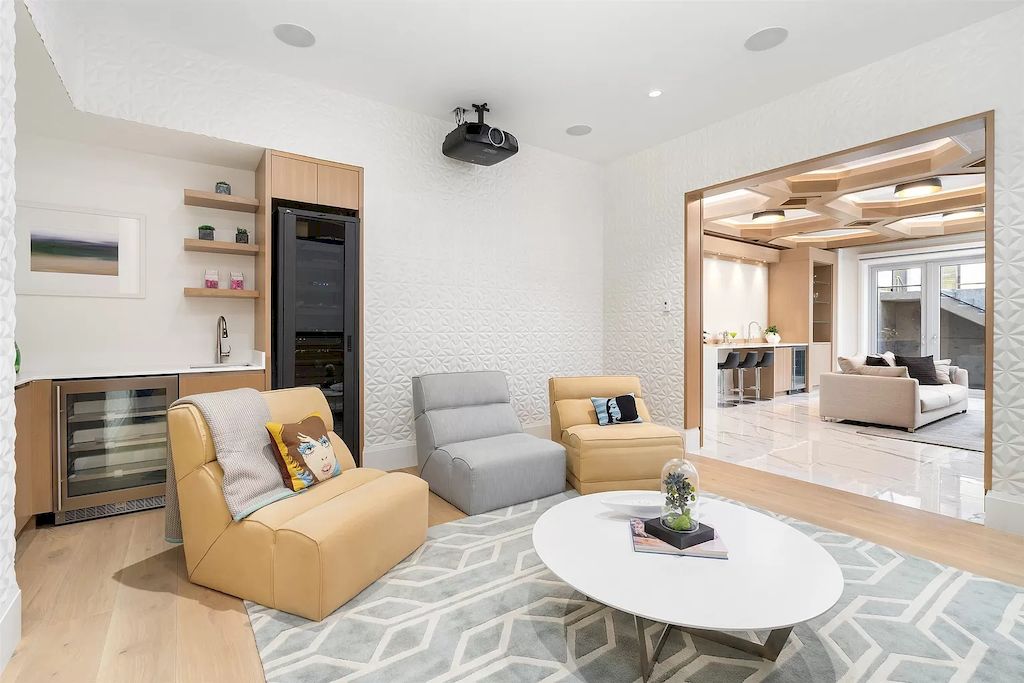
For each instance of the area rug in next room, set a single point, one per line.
(475, 603)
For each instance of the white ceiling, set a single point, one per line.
(43, 108)
(544, 66)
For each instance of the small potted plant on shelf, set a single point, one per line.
(241, 236)
(206, 232)
(771, 334)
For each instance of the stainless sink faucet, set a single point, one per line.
(760, 330)
(223, 340)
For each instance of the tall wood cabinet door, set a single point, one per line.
(337, 187)
(24, 456)
(783, 369)
(819, 361)
(293, 179)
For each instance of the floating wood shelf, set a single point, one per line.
(222, 293)
(228, 202)
(215, 247)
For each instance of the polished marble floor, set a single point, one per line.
(786, 436)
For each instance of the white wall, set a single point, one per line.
(59, 334)
(973, 70)
(465, 267)
(10, 594)
(735, 293)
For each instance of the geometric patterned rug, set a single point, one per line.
(474, 603)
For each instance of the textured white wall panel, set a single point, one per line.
(10, 612)
(978, 68)
(465, 267)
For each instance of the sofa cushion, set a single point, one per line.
(621, 436)
(495, 472)
(275, 515)
(933, 397)
(955, 392)
(881, 371)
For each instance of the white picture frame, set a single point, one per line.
(90, 230)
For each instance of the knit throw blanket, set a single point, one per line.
(237, 420)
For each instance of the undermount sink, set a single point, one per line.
(204, 366)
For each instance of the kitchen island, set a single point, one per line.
(788, 373)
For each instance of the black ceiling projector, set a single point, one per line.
(478, 143)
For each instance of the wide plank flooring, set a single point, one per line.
(108, 600)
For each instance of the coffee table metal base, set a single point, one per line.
(769, 649)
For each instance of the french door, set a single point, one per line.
(935, 308)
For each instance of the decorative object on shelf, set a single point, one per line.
(17, 358)
(237, 281)
(680, 486)
(206, 232)
(771, 334)
(211, 280)
(222, 188)
(78, 252)
(241, 236)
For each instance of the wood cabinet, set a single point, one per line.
(819, 361)
(204, 382)
(292, 178)
(783, 369)
(33, 452)
(303, 179)
(336, 186)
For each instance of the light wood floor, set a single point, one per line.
(108, 600)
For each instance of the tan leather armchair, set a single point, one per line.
(613, 457)
(307, 554)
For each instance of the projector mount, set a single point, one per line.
(460, 113)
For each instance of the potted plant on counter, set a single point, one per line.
(206, 232)
(241, 236)
(771, 334)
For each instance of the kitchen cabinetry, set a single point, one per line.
(783, 369)
(819, 361)
(312, 181)
(33, 447)
(205, 382)
(111, 445)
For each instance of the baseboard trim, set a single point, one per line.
(10, 629)
(1005, 512)
(402, 454)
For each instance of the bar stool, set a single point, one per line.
(767, 360)
(731, 362)
(749, 363)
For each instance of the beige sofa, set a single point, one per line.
(891, 401)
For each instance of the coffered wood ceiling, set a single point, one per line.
(854, 203)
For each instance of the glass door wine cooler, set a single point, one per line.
(112, 449)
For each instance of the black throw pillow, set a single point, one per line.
(921, 368)
(876, 362)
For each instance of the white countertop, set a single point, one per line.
(254, 363)
(751, 345)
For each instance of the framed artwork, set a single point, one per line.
(64, 251)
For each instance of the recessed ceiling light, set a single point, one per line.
(963, 213)
(654, 93)
(294, 35)
(766, 39)
(771, 216)
(918, 188)
(579, 129)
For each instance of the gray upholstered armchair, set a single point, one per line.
(471, 446)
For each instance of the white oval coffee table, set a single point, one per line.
(775, 576)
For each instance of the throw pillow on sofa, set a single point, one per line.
(850, 364)
(618, 410)
(876, 362)
(921, 368)
(943, 370)
(304, 452)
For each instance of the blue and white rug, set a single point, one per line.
(474, 603)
